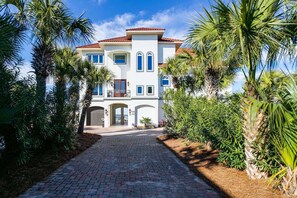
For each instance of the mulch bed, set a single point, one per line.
(228, 181)
(15, 179)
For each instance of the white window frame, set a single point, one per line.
(96, 54)
(153, 90)
(140, 94)
(142, 59)
(147, 55)
(98, 90)
(114, 59)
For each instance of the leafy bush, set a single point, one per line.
(217, 121)
(146, 121)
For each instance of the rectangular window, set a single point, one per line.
(139, 90)
(139, 63)
(101, 58)
(96, 58)
(95, 90)
(120, 59)
(98, 90)
(165, 81)
(149, 63)
(150, 90)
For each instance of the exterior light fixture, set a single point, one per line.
(106, 112)
(130, 111)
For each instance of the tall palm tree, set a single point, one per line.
(92, 76)
(252, 28)
(51, 23)
(66, 61)
(212, 53)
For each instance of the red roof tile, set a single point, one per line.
(169, 40)
(117, 39)
(94, 45)
(188, 50)
(144, 29)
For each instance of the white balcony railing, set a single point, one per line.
(111, 94)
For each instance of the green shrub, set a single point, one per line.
(217, 121)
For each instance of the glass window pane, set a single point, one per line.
(101, 58)
(123, 86)
(120, 59)
(100, 90)
(150, 63)
(139, 90)
(95, 58)
(139, 62)
(95, 90)
(150, 90)
(89, 58)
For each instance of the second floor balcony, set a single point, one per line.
(120, 93)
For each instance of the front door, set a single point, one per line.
(119, 88)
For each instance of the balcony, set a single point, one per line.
(122, 94)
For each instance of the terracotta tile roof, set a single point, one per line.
(117, 39)
(94, 45)
(181, 50)
(144, 29)
(163, 39)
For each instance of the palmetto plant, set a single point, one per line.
(92, 76)
(253, 27)
(281, 111)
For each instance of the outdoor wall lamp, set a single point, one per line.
(130, 111)
(106, 112)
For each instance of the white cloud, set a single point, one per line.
(26, 69)
(100, 1)
(175, 21)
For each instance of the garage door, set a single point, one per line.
(145, 111)
(95, 116)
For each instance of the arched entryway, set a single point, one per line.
(119, 114)
(95, 116)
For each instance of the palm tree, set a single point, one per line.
(252, 28)
(66, 61)
(212, 54)
(12, 35)
(50, 23)
(92, 76)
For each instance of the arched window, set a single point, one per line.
(165, 81)
(150, 62)
(139, 61)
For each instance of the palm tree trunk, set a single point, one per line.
(60, 97)
(211, 83)
(254, 132)
(289, 183)
(87, 102)
(42, 63)
(74, 99)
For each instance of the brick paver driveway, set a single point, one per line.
(123, 164)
